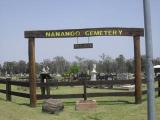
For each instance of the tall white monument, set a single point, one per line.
(43, 70)
(93, 73)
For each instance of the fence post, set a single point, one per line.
(32, 71)
(84, 86)
(138, 81)
(47, 87)
(42, 87)
(8, 89)
(159, 86)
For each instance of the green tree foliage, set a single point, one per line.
(66, 74)
(85, 65)
(57, 65)
(10, 67)
(121, 64)
(21, 66)
(156, 61)
(143, 62)
(60, 65)
(1, 69)
(105, 64)
(74, 69)
(130, 65)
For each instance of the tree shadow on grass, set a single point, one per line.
(145, 99)
(28, 105)
(99, 102)
(2, 99)
(40, 104)
(103, 103)
(69, 103)
(25, 104)
(114, 102)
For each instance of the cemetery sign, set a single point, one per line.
(87, 32)
(83, 45)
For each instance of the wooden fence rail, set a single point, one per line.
(8, 91)
(39, 97)
(81, 83)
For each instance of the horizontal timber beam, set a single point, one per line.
(87, 32)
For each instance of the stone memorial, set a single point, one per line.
(85, 105)
(52, 106)
(93, 73)
(44, 77)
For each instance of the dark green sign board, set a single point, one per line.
(84, 45)
(85, 32)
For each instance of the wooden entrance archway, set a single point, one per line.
(136, 33)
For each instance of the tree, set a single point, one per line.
(103, 57)
(114, 66)
(46, 63)
(156, 61)
(85, 65)
(57, 65)
(21, 66)
(74, 69)
(120, 60)
(100, 65)
(10, 67)
(143, 63)
(38, 67)
(61, 64)
(0, 69)
(130, 65)
(80, 62)
(107, 64)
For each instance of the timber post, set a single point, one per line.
(32, 71)
(42, 88)
(138, 81)
(8, 89)
(159, 87)
(85, 88)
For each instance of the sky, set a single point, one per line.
(17, 16)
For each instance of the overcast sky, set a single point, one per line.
(16, 16)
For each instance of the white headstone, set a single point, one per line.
(94, 68)
(47, 69)
(44, 70)
(93, 73)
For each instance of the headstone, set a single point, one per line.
(85, 105)
(93, 73)
(47, 69)
(44, 70)
(157, 70)
(58, 75)
(52, 106)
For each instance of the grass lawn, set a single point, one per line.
(108, 108)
